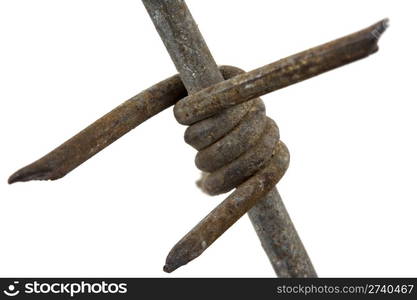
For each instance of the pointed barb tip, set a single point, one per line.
(168, 269)
(379, 28)
(30, 173)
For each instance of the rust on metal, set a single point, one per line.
(229, 211)
(238, 145)
(279, 74)
(237, 153)
(107, 129)
(103, 132)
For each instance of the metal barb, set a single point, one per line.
(234, 154)
(279, 74)
(238, 145)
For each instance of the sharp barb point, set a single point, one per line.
(379, 28)
(168, 269)
(30, 173)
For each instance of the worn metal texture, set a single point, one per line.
(279, 74)
(107, 129)
(230, 210)
(222, 97)
(139, 108)
(185, 44)
(239, 150)
(238, 146)
(103, 132)
(287, 260)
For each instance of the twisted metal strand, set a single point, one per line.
(238, 145)
(244, 153)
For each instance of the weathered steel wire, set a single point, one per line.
(238, 146)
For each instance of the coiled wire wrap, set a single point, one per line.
(237, 148)
(234, 144)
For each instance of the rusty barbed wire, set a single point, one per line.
(238, 145)
(198, 70)
(243, 152)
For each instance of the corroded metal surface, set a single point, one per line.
(279, 74)
(238, 146)
(103, 132)
(230, 210)
(184, 43)
(244, 154)
(287, 256)
(206, 102)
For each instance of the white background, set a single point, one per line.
(350, 188)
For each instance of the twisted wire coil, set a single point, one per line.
(234, 144)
